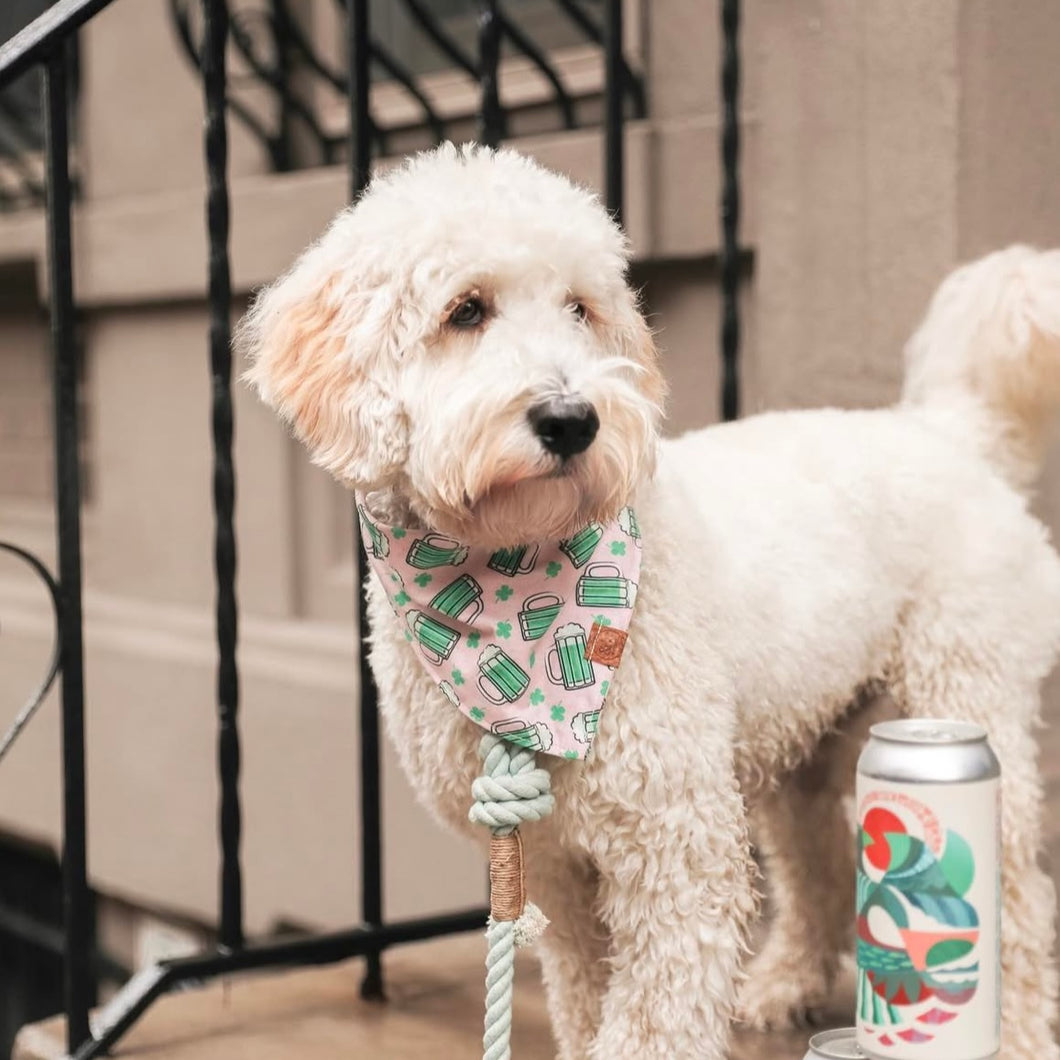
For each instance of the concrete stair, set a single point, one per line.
(434, 1012)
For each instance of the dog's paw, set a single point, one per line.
(781, 995)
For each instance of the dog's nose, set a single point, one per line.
(565, 426)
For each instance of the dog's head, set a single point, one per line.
(463, 340)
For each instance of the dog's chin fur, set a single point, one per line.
(536, 509)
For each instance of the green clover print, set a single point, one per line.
(537, 696)
(402, 598)
(398, 531)
(504, 629)
(477, 713)
(618, 548)
(458, 677)
(570, 754)
(553, 569)
(601, 620)
(558, 712)
(423, 580)
(504, 592)
(473, 639)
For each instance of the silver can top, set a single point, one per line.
(840, 1044)
(928, 731)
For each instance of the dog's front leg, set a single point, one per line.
(574, 949)
(676, 892)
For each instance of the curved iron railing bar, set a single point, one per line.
(297, 39)
(35, 700)
(444, 42)
(400, 74)
(182, 25)
(244, 43)
(633, 84)
(524, 44)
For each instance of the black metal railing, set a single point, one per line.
(281, 55)
(45, 44)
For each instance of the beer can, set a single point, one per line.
(840, 1044)
(928, 892)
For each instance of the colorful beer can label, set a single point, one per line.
(928, 907)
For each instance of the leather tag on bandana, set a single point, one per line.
(606, 644)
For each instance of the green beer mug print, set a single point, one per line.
(579, 548)
(627, 520)
(566, 663)
(602, 585)
(380, 542)
(502, 679)
(457, 597)
(584, 725)
(536, 737)
(437, 641)
(538, 613)
(435, 550)
(512, 561)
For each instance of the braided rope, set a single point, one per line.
(500, 977)
(510, 790)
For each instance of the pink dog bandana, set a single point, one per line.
(523, 641)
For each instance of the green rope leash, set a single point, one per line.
(510, 790)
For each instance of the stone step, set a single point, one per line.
(434, 1011)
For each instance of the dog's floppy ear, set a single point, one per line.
(321, 351)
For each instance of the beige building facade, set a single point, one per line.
(884, 141)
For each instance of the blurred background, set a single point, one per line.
(882, 144)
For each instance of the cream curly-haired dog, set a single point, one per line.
(791, 561)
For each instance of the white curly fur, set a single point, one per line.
(793, 563)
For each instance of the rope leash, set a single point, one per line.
(510, 790)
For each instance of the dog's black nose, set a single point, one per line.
(565, 426)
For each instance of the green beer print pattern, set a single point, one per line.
(435, 550)
(458, 596)
(522, 640)
(512, 561)
(537, 615)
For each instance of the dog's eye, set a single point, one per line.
(469, 314)
(579, 310)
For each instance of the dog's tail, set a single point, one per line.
(985, 363)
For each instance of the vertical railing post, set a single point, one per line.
(730, 209)
(491, 116)
(372, 988)
(614, 112)
(215, 39)
(77, 904)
